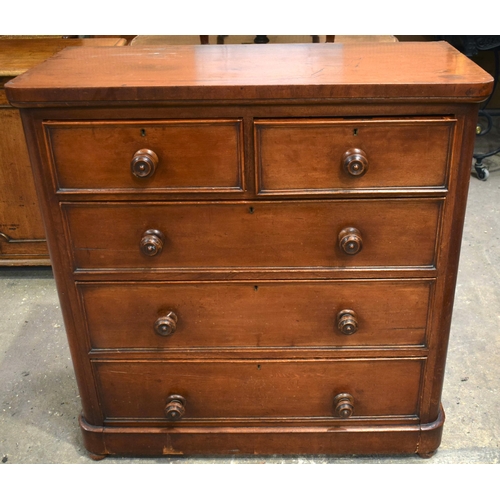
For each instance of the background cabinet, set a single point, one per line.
(22, 236)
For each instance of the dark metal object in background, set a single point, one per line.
(471, 45)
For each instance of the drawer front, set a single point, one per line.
(258, 389)
(256, 315)
(312, 155)
(191, 155)
(262, 234)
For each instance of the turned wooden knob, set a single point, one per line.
(144, 163)
(355, 162)
(343, 405)
(350, 240)
(347, 322)
(152, 242)
(166, 325)
(175, 408)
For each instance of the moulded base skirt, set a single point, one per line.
(423, 439)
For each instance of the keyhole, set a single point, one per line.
(255, 287)
(258, 367)
(143, 132)
(250, 210)
(355, 131)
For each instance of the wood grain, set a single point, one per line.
(19, 55)
(22, 236)
(259, 314)
(260, 389)
(193, 155)
(411, 71)
(252, 235)
(307, 155)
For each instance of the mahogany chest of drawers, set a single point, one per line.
(255, 247)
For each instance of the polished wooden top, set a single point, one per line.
(408, 71)
(17, 55)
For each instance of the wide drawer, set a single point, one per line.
(256, 315)
(320, 154)
(260, 389)
(262, 234)
(191, 155)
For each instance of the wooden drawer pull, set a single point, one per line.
(166, 325)
(175, 408)
(350, 240)
(355, 162)
(347, 322)
(144, 163)
(343, 405)
(152, 242)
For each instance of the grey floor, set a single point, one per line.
(40, 402)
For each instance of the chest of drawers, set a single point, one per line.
(255, 248)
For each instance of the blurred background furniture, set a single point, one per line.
(472, 46)
(255, 39)
(22, 236)
(360, 38)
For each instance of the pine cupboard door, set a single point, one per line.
(22, 235)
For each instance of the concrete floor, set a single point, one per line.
(40, 403)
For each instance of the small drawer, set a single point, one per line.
(184, 156)
(308, 155)
(258, 389)
(283, 235)
(256, 315)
